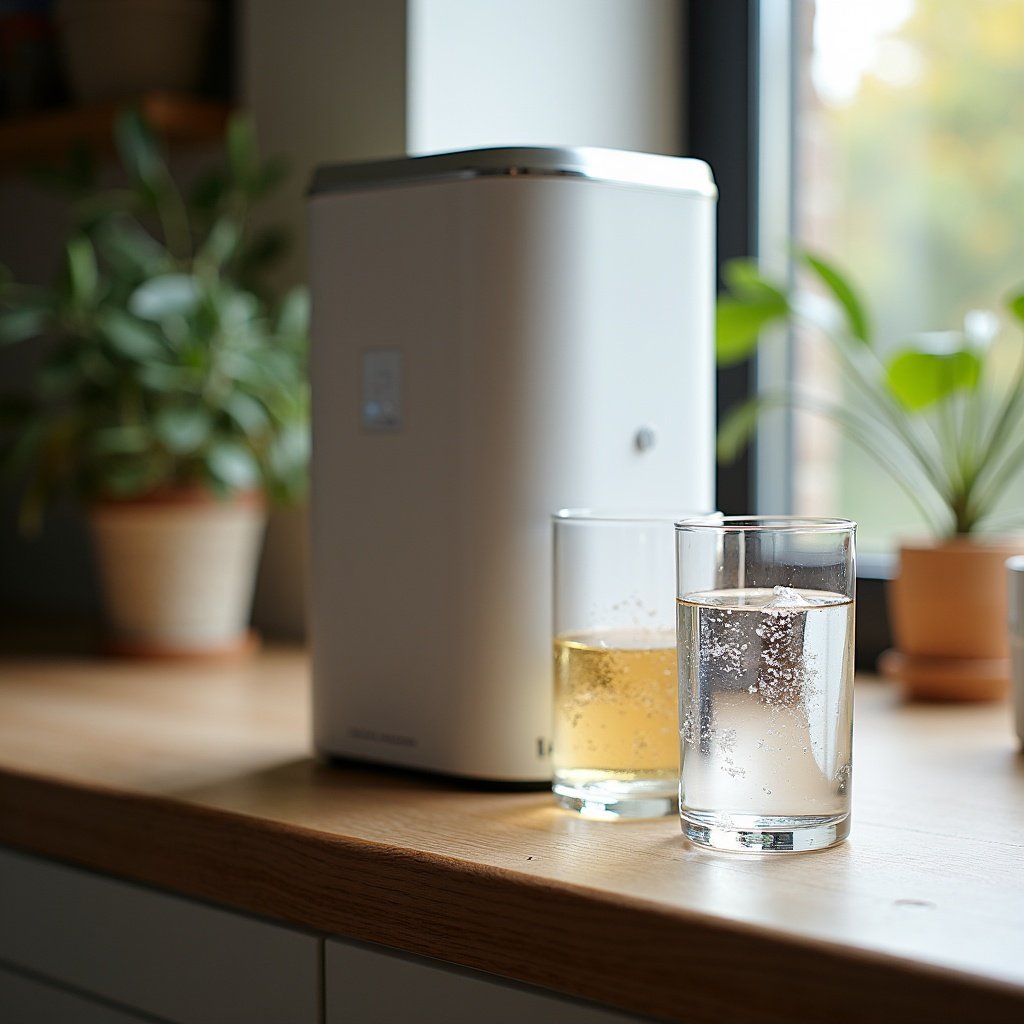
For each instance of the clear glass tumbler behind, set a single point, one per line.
(616, 728)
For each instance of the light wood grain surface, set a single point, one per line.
(200, 780)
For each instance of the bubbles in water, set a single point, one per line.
(842, 778)
(726, 657)
(787, 598)
(767, 673)
(687, 730)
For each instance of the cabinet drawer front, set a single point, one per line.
(376, 987)
(186, 962)
(26, 1000)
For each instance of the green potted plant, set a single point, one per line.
(949, 433)
(171, 400)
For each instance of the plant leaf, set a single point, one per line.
(293, 316)
(738, 324)
(920, 379)
(170, 379)
(21, 324)
(843, 292)
(236, 309)
(242, 155)
(737, 428)
(166, 295)
(233, 465)
(744, 281)
(247, 412)
(128, 478)
(81, 272)
(120, 440)
(1016, 306)
(129, 247)
(183, 430)
(221, 243)
(288, 458)
(139, 151)
(130, 337)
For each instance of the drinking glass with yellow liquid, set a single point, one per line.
(616, 721)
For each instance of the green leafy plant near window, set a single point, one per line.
(932, 416)
(166, 365)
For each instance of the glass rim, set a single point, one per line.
(640, 515)
(766, 524)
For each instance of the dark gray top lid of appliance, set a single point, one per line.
(622, 167)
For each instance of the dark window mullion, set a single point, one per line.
(721, 128)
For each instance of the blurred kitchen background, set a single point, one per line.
(324, 80)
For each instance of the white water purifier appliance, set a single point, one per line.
(497, 334)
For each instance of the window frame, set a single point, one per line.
(726, 107)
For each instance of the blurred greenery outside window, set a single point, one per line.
(895, 128)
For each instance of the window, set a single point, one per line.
(906, 162)
(887, 135)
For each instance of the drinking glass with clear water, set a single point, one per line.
(765, 628)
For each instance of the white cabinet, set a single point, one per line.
(143, 950)
(367, 986)
(83, 948)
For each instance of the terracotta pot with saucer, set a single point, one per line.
(948, 612)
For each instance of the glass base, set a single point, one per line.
(747, 833)
(617, 801)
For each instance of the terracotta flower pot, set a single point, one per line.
(178, 570)
(948, 613)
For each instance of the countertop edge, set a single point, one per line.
(630, 954)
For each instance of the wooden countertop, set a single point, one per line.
(199, 779)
